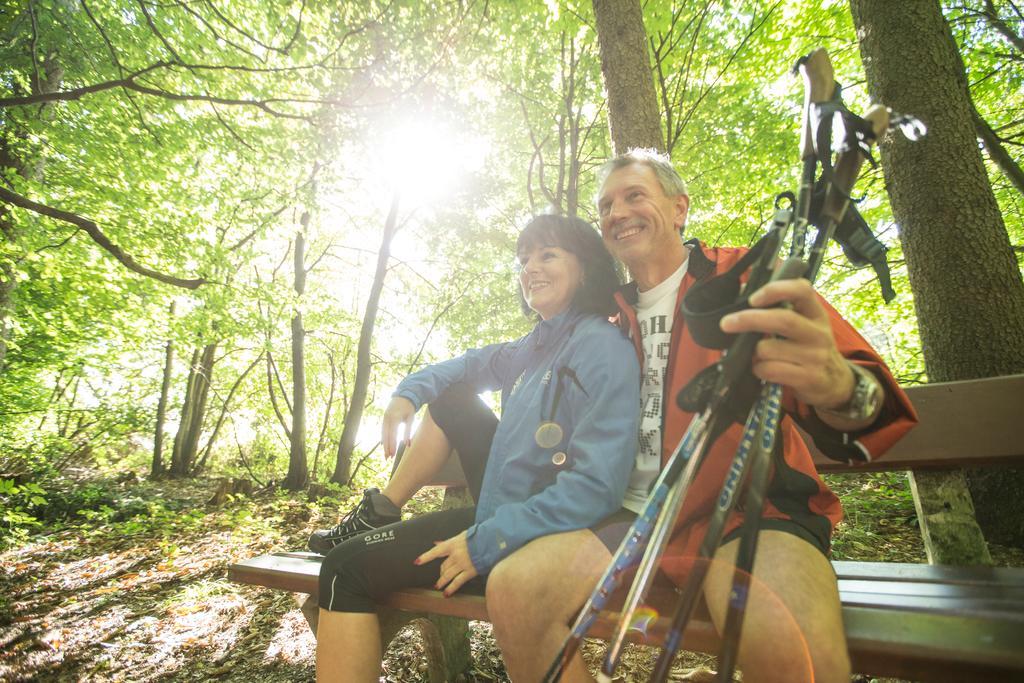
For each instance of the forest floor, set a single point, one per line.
(135, 588)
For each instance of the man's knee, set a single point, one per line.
(550, 577)
(793, 621)
(512, 589)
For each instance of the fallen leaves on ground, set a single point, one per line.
(142, 600)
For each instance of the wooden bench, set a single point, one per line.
(920, 622)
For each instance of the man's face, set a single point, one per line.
(639, 223)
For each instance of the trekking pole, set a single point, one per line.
(837, 199)
(755, 447)
(823, 108)
(753, 502)
(858, 137)
(635, 539)
(857, 144)
(763, 416)
(668, 494)
(820, 85)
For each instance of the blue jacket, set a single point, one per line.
(529, 491)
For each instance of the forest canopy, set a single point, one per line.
(207, 206)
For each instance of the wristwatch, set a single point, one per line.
(863, 402)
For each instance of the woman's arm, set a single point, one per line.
(483, 369)
(601, 451)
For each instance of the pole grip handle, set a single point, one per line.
(819, 85)
(847, 168)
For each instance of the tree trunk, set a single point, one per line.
(347, 444)
(7, 280)
(633, 118)
(161, 406)
(297, 471)
(966, 282)
(186, 414)
(186, 443)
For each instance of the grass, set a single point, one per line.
(880, 523)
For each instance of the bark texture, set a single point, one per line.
(633, 118)
(967, 285)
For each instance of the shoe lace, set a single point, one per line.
(346, 521)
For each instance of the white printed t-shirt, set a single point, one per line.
(655, 312)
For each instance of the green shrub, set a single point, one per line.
(20, 505)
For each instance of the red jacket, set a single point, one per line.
(797, 492)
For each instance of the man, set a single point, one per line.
(835, 386)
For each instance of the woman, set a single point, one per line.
(558, 460)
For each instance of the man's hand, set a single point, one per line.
(456, 569)
(803, 356)
(398, 415)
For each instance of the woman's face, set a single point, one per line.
(549, 277)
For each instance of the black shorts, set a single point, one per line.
(359, 573)
(614, 528)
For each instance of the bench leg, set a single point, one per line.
(447, 643)
(445, 639)
(945, 513)
(310, 609)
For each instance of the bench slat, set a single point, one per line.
(928, 573)
(933, 647)
(295, 572)
(968, 593)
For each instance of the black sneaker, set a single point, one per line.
(374, 510)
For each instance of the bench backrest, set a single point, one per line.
(962, 424)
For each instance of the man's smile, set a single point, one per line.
(627, 231)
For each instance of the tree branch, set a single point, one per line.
(77, 93)
(1001, 27)
(205, 452)
(93, 230)
(993, 145)
(129, 82)
(273, 396)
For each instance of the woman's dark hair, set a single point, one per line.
(601, 275)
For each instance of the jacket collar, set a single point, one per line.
(699, 265)
(554, 329)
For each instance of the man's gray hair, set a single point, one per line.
(671, 183)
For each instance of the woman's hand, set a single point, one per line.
(456, 569)
(398, 414)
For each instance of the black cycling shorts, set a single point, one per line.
(362, 571)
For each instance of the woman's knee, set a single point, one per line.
(460, 414)
(344, 582)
